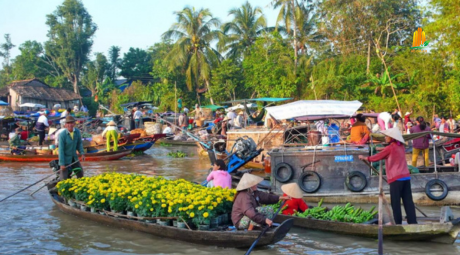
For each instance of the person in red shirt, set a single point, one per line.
(296, 203)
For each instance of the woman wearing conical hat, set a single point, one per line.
(296, 203)
(111, 133)
(247, 209)
(397, 173)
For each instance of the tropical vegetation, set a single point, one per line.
(323, 49)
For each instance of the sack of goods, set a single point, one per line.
(152, 128)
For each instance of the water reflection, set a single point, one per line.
(34, 225)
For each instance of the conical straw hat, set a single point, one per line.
(292, 190)
(52, 130)
(393, 133)
(247, 181)
(111, 123)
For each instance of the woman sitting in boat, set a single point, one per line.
(247, 210)
(397, 173)
(15, 143)
(296, 203)
(219, 177)
(359, 133)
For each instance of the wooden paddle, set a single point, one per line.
(35, 183)
(264, 230)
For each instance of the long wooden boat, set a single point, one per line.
(234, 239)
(427, 229)
(103, 156)
(178, 142)
(136, 146)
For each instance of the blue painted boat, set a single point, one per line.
(136, 146)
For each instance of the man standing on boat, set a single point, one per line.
(41, 126)
(69, 143)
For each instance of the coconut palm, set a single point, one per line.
(194, 32)
(243, 30)
(288, 15)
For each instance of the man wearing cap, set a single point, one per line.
(41, 126)
(247, 209)
(397, 173)
(69, 143)
(137, 117)
(111, 133)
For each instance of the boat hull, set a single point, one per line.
(47, 158)
(234, 239)
(424, 231)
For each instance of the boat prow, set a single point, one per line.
(233, 239)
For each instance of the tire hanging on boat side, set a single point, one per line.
(305, 175)
(281, 166)
(433, 182)
(356, 174)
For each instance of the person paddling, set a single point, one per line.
(397, 173)
(247, 210)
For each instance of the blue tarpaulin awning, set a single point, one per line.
(3, 103)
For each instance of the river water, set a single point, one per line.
(33, 225)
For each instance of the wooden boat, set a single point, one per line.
(136, 146)
(103, 156)
(427, 229)
(234, 239)
(179, 142)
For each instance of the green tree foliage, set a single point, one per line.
(242, 31)
(70, 34)
(268, 69)
(94, 72)
(5, 53)
(114, 62)
(136, 65)
(194, 32)
(228, 82)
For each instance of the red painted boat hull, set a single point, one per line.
(105, 156)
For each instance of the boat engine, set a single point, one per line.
(244, 147)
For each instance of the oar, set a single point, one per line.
(264, 230)
(377, 172)
(35, 183)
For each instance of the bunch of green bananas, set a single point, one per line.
(347, 213)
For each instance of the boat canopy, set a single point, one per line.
(241, 106)
(262, 99)
(32, 105)
(408, 137)
(305, 108)
(3, 103)
(212, 107)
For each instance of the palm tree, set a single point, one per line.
(194, 32)
(288, 15)
(242, 31)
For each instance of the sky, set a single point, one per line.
(123, 23)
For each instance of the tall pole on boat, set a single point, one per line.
(380, 233)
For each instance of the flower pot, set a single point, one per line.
(71, 202)
(113, 211)
(214, 222)
(203, 227)
(174, 222)
(150, 221)
(129, 213)
(181, 224)
(93, 210)
(83, 208)
(224, 219)
(101, 213)
(164, 222)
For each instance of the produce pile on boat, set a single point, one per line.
(347, 213)
(149, 196)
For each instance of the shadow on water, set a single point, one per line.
(33, 225)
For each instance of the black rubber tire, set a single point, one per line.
(436, 182)
(359, 175)
(306, 174)
(280, 166)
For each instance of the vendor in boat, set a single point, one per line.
(420, 144)
(398, 175)
(247, 210)
(41, 126)
(219, 177)
(359, 133)
(15, 143)
(69, 143)
(111, 134)
(296, 203)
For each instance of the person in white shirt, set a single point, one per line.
(137, 117)
(385, 121)
(56, 135)
(167, 129)
(42, 124)
(63, 115)
(186, 110)
(231, 115)
(75, 108)
(111, 132)
(239, 120)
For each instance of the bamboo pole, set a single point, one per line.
(380, 233)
